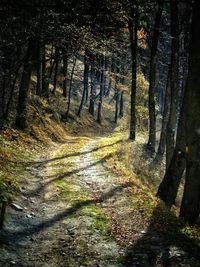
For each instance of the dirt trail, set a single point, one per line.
(47, 231)
(65, 199)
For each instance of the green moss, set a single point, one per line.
(99, 219)
(69, 192)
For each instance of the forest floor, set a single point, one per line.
(75, 209)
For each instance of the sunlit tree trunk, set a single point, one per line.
(152, 80)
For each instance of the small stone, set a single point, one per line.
(13, 262)
(17, 207)
(28, 216)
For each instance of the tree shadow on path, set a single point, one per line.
(163, 244)
(11, 237)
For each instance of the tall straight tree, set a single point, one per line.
(85, 83)
(168, 188)
(24, 86)
(132, 27)
(152, 79)
(174, 75)
(190, 207)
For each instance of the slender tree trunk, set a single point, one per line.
(99, 112)
(65, 69)
(85, 85)
(86, 78)
(165, 117)
(70, 87)
(24, 88)
(116, 106)
(172, 122)
(56, 69)
(45, 82)
(190, 207)
(133, 44)
(3, 89)
(39, 72)
(121, 109)
(92, 90)
(11, 92)
(168, 188)
(152, 80)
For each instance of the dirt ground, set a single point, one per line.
(73, 211)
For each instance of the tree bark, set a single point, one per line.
(168, 188)
(133, 44)
(99, 112)
(121, 109)
(70, 87)
(172, 122)
(24, 87)
(152, 80)
(56, 69)
(165, 117)
(65, 69)
(190, 207)
(92, 89)
(85, 85)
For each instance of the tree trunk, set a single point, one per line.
(85, 85)
(65, 69)
(190, 207)
(116, 106)
(56, 69)
(168, 188)
(39, 72)
(171, 125)
(152, 80)
(2, 97)
(92, 90)
(121, 109)
(70, 87)
(99, 112)
(165, 117)
(133, 44)
(24, 88)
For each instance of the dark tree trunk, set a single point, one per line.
(99, 112)
(165, 117)
(121, 109)
(92, 90)
(70, 87)
(2, 97)
(109, 87)
(39, 72)
(133, 44)
(12, 89)
(168, 188)
(152, 80)
(65, 69)
(174, 71)
(86, 78)
(85, 85)
(116, 106)
(24, 87)
(56, 69)
(190, 207)
(45, 80)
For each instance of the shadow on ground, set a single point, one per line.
(163, 244)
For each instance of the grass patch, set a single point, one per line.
(17, 149)
(70, 192)
(99, 219)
